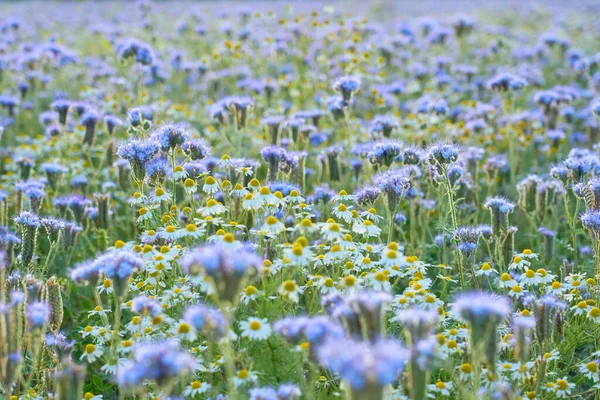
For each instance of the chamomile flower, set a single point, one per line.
(226, 161)
(529, 278)
(273, 226)
(245, 377)
(265, 197)
(251, 202)
(378, 281)
(256, 328)
(169, 233)
(517, 292)
(298, 254)
(92, 352)
(210, 185)
(183, 331)
(179, 173)
(144, 214)
(212, 208)
(342, 196)
(250, 293)
(562, 388)
(98, 311)
(465, 372)
(519, 263)
(506, 281)
(581, 308)
(366, 228)
(486, 270)
(594, 315)
(137, 198)
(290, 290)
(552, 355)
(343, 212)
(106, 286)
(295, 198)
(190, 186)
(197, 388)
(239, 191)
(246, 171)
(371, 215)
(527, 254)
(440, 388)
(191, 231)
(91, 396)
(590, 370)
(332, 231)
(160, 195)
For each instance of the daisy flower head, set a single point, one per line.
(92, 352)
(290, 290)
(197, 388)
(256, 329)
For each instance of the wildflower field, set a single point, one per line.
(303, 201)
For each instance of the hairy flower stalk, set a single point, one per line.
(420, 325)
(484, 313)
(11, 332)
(29, 224)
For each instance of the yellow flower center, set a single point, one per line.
(255, 325)
(529, 274)
(381, 277)
(289, 286)
(184, 328)
(90, 348)
(190, 228)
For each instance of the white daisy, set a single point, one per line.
(92, 352)
(590, 370)
(273, 226)
(244, 377)
(343, 212)
(256, 328)
(179, 173)
(160, 195)
(196, 388)
(213, 207)
(366, 228)
(168, 233)
(290, 290)
(210, 185)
